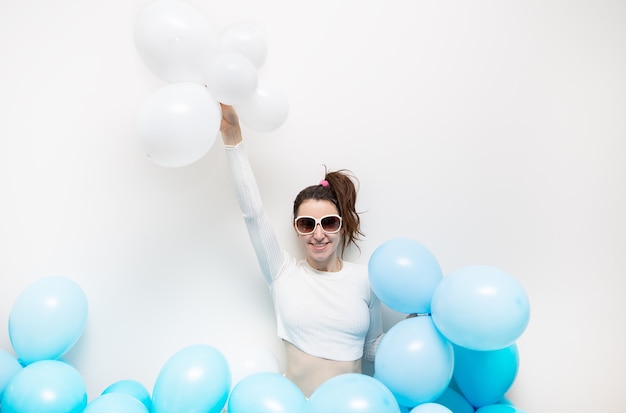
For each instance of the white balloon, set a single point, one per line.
(231, 78)
(266, 110)
(178, 123)
(175, 40)
(246, 39)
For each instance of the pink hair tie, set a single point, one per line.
(324, 183)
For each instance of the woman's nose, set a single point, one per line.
(318, 232)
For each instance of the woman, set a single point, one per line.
(326, 313)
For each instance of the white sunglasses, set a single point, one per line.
(305, 225)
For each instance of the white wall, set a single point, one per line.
(492, 132)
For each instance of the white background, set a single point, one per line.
(492, 132)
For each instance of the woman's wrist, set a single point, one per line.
(232, 138)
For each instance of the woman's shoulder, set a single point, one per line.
(356, 269)
(354, 266)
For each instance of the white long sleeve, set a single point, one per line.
(270, 255)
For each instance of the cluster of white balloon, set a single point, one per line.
(178, 123)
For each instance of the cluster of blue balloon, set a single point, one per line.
(178, 123)
(460, 352)
(46, 321)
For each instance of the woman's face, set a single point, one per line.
(320, 247)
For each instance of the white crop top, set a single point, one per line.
(333, 315)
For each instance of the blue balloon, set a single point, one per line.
(47, 319)
(352, 392)
(9, 367)
(195, 379)
(131, 388)
(266, 392)
(485, 376)
(404, 275)
(430, 408)
(48, 386)
(414, 361)
(455, 401)
(481, 308)
(116, 403)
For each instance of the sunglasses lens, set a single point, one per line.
(305, 225)
(331, 224)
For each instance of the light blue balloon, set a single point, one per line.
(480, 308)
(9, 367)
(485, 376)
(47, 386)
(404, 275)
(430, 408)
(352, 393)
(266, 392)
(131, 388)
(116, 403)
(454, 401)
(195, 379)
(414, 361)
(47, 319)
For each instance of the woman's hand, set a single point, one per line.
(229, 127)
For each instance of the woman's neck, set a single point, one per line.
(332, 265)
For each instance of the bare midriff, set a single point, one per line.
(308, 371)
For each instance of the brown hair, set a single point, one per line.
(341, 191)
